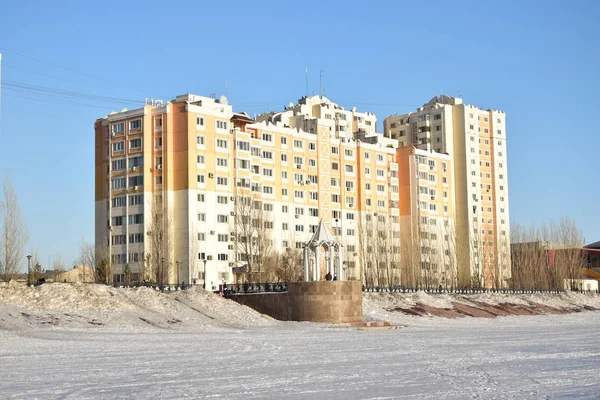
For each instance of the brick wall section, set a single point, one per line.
(323, 301)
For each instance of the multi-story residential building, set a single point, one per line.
(191, 191)
(213, 189)
(475, 140)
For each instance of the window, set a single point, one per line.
(381, 203)
(298, 160)
(284, 140)
(118, 146)
(221, 124)
(334, 166)
(313, 212)
(243, 164)
(201, 217)
(335, 150)
(312, 146)
(221, 143)
(348, 153)
(136, 219)
(367, 171)
(268, 189)
(222, 200)
(381, 188)
(284, 158)
(222, 257)
(298, 194)
(118, 201)
(222, 237)
(222, 162)
(135, 124)
(267, 155)
(335, 182)
(284, 226)
(118, 183)
(380, 173)
(267, 137)
(200, 178)
(267, 172)
(349, 186)
(379, 158)
(199, 140)
(312, 162)
(298, 144)
(222, 219)
(243, 145)
(284, 192)
(118, 165)
(367, 186)
(349, 168)
(267, 207)
(118, 127)
(200, 121)
(299, 228)
(350, 232)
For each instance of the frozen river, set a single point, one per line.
(514, 357)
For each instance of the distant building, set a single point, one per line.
(79, 273)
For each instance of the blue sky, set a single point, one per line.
(535, 60)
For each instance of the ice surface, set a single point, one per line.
(95, 342)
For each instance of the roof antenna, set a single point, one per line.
(321, 75)
(306, 76)
(459, 94)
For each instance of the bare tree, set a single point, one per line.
(410, 259)
(14, 236)
(253, 237)
(290, 265)
(58, 263)
(158, 261)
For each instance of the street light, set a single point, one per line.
(28, 270)
(204, 284)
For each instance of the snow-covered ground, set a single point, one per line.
(146, 345)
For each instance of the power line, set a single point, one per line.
(77, 72)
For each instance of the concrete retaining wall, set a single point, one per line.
(323, 301)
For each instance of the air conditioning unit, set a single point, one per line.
(297, 216)
(299, 166)
(209, 258)
(212, 232)
(431, 167)
(445, 170)
(355, 254)
(308, 182)
(232, 198)
(230, 247)
(231, 264)
(211, 175)
(134, 168)
(432, 197)
(159, 166)
(350, 205)
(110, 227)
(232, 213)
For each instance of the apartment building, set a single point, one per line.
(204, 192)
(219, 178)
(475, 140)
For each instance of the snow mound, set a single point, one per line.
(91, 306)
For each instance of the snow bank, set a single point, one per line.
(90, 306)
(413, 308)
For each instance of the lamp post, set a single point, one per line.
(204, 280)
(28, 270)
(178, 267)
